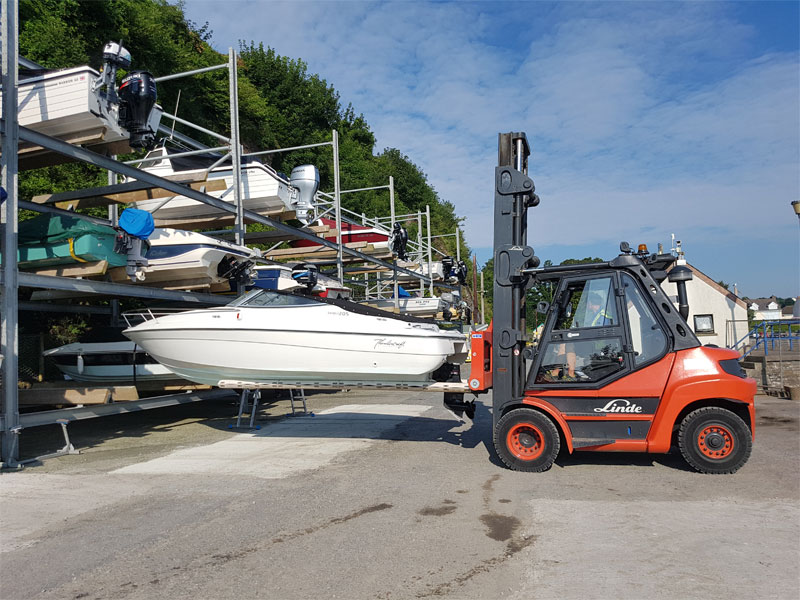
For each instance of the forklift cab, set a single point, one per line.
(600, 328)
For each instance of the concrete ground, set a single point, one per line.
(386, 496)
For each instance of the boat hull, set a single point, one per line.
(334, 345)
(261, 192)
(109, 363)
(421, 307)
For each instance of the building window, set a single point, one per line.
(704, 323)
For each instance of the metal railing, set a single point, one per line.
(769, 335)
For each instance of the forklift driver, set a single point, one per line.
(595, 315)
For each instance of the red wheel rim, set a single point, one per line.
(715, 441)
(525, 441)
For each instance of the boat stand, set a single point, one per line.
(243, 404)
(296, 399)
(67, 449)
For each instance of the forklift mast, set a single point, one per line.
(514, 194)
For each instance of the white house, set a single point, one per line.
(718, 316)
(766, 309)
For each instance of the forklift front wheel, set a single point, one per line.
(715, 440)
(526, 440)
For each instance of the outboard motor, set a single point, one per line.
(115, 56)
(398, 241)
(306, 179)
(137, 99)
(134, 227)
(306, 274)
(461, 272)
(235, 271)
(447, 268)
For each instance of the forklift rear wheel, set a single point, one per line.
(715, 440)
(526, 440)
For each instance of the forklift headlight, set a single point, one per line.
(732, 367)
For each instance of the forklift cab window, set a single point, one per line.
(649, 340)
(587, 303)
(585, 345)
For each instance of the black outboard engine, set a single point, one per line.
(447, 267)
(306, 274)
(398, 241)
(137, 94)
(461, 272)
(235, 271)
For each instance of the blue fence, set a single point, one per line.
(769, 334)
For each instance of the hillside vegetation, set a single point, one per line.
(281, 104)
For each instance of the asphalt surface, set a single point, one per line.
(386, 496)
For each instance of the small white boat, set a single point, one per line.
(286, 278)
(419, 307)
(185, 259)
(263, 190)
(267, 337)
(435, 272)
(109, 363)
(83, 106)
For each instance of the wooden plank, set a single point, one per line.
(69, 396)
(119, 188)
(221, 220)
(273, 237)
(213, 185)
(91, 269)
(314, 251)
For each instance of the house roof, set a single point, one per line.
(713, 284)
(762, 303)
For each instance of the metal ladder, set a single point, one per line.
(297, 398)
(244, 402)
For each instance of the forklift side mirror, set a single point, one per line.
(542, 307)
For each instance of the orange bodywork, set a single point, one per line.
(678, 381)
(480, 376)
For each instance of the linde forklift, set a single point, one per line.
(616, 367)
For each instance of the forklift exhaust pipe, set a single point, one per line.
(679, 276)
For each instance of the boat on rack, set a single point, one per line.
(351, 232)
(189, 260)
(264, 190)
(83, 106)
(110, 363)
(300, 278)
(50, 244)
(271, 337)
(418, 307)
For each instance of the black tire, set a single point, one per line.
(526, 440)
(715, 440)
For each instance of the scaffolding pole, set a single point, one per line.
(9, 346)
(338, 207)
(236, 149)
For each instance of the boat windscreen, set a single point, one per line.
(267, 298)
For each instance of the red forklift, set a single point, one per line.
(615, 368)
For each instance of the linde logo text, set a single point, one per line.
(620, 405)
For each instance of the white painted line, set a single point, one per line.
(294, 445)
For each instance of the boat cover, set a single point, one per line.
(50, 229)
(136, 222)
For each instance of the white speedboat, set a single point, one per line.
(267, 337)
(109, 363)
(264, 190)
(185, 259)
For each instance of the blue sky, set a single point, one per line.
(646, 119)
